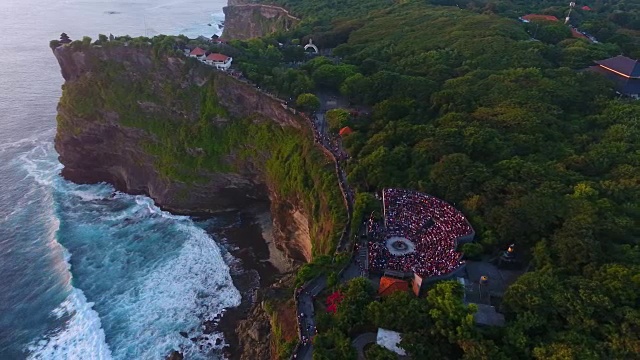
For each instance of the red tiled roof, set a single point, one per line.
(197, 51)
(532, 17)
(345, 131)
(577, 34)
(586, 8)
(217, 57)
(389, 285)
(622, 65)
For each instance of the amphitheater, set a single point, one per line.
(420, 236)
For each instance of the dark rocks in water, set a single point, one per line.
(175, 355)
(184, 334)
(218, 341)
(209, 327)
(194, 339)
(112, 12)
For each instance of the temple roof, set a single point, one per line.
(197, 51)
(532, 17)
(577, 34)
(217, 57)
(626, 66)
(624, 85)
(389, 285)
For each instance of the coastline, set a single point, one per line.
(255, 264)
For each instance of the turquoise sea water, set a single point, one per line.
(86, 272)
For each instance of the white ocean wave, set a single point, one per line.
(81, 338)
(151, 286)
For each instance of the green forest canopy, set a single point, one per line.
(534, 151)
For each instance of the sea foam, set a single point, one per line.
(81, 338)
(148, 275)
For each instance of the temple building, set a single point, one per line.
(197, 53)
(389, 285)
(537, 17)
(624, 72)
(220, 61)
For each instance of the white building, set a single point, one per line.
(390, 340)
(197, 53)
(220, 61)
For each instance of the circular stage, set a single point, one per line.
(399, 245)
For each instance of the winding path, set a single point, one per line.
(361, 341)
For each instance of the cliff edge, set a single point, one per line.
(194, 139)
(245, 20)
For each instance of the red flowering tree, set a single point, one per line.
(333, 300)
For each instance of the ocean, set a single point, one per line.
(87, 272)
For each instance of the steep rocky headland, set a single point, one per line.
(193, 139)
(151, 121)
(246, 20)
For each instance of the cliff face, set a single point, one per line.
(126, 114)
(245, 21)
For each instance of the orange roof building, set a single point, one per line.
(197, 52)
(389, 285)
(345, 131)
(623, 71)
(537, 17)
(217, 57)
(577, 34)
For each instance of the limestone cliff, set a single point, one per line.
(245, 20)
(193, 139)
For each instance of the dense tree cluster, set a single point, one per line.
(439, 326)
(611, 21)
(534, 150)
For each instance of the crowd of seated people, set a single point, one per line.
(430, 223)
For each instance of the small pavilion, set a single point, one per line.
(389, 285)
(220, 61)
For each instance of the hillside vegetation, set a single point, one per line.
(535, 151)
(467, 106)
(189, 140)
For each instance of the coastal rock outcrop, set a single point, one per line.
(254, 335)
(94, 146)
(127, 116)
(245, 20)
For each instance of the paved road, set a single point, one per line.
(306, 313)
(361, 341)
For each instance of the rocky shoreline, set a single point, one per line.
(255, 265)
(99, 146)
